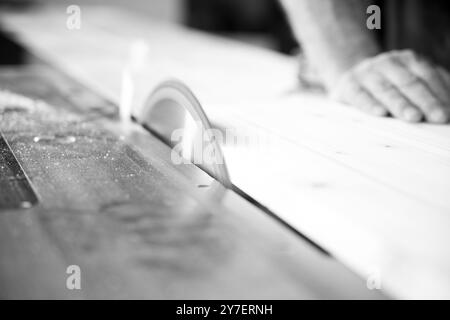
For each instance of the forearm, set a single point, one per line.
(332, 33)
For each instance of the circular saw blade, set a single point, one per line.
(175, 115)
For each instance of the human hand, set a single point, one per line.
(397, 83)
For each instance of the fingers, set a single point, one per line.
(403, 74)
(399, 83)
(429, 73)
(352, 93)
(391, 97)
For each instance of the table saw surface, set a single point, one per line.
(372, 192)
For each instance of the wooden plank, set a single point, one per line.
(372, 191)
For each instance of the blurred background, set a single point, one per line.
(406, 23)
(258, 22)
